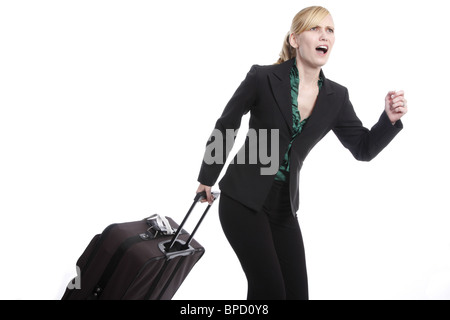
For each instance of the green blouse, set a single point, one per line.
(297, 124)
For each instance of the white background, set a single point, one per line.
(106, 107)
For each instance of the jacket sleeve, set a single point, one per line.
(223, 136)
(363, 143)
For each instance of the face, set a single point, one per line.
(314, 46)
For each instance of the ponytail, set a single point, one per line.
(287, 51)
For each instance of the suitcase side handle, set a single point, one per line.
(198, 197)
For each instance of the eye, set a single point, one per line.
(313, 29)
(330, 30)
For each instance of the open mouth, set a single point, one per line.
(323, 49)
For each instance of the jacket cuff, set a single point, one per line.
(386, 122)
(205, 177)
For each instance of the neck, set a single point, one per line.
(308, 75)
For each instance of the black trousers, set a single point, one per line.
(268, 244)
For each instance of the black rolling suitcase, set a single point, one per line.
(140, 260)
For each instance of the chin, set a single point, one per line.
(321, 62)
(315, 62)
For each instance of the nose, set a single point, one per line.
(323, 36)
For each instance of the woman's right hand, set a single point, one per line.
(207, 189)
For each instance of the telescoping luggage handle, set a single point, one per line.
(198, 197)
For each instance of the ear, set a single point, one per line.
(293, 40)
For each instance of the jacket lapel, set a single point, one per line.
(281, 89)
(324, 100)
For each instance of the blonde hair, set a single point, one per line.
(304, 20)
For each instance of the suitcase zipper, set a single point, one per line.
(157, 279)
(114, 261)
(111, 267)
(169, 281)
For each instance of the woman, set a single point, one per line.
(294, 100)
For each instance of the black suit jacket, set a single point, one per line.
(266, 94)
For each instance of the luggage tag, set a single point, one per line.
(158, 225)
